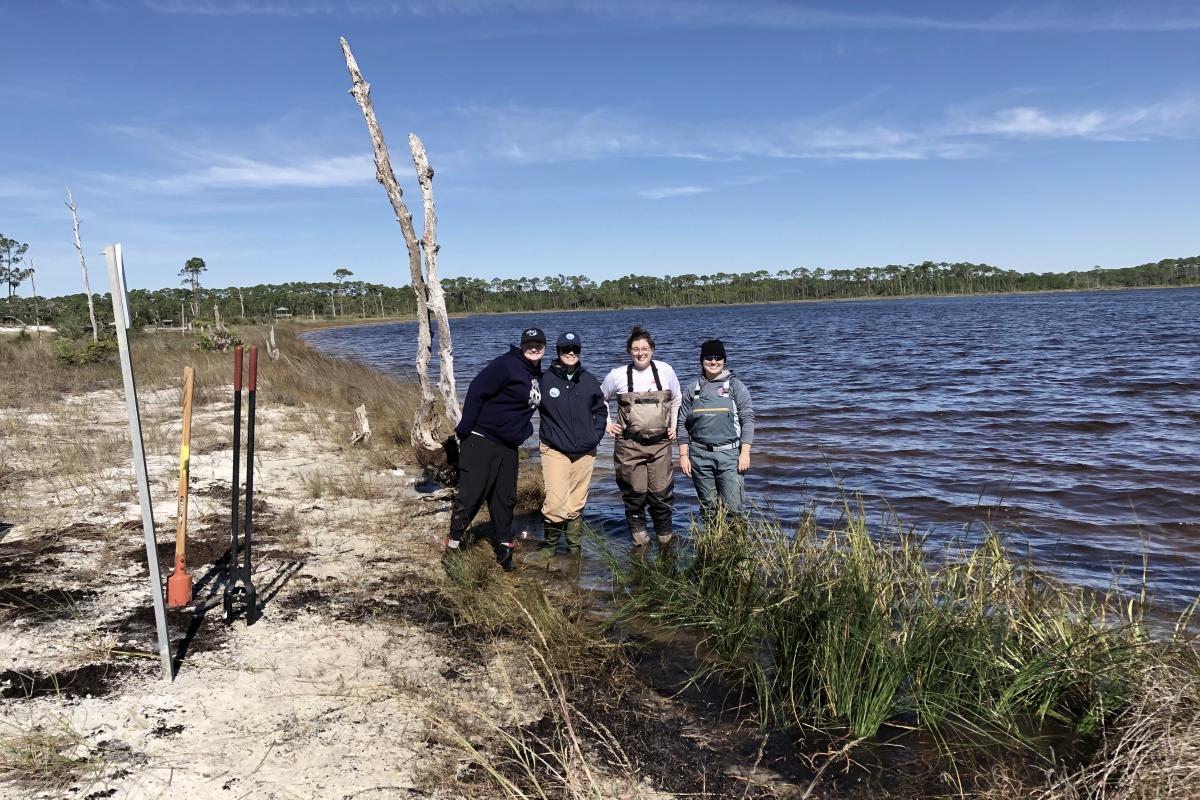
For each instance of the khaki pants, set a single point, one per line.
(645, 476)
(567, 480)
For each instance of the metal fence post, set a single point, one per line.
(116, 283)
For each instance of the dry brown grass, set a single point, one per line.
(47, 757)
(33, 377)
(300, 377)
(1152, 750)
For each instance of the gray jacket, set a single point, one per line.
(716, 412)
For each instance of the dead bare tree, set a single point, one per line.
(425, 285)
(87, 288)
(437, 298)
(37, 314)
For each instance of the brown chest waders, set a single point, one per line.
(642, 456)
(241, 573)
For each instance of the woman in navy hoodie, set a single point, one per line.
(573, 418)
(496, 419)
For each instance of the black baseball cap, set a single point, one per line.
(533, 336)
(569, 339)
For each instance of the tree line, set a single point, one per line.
(344, 297)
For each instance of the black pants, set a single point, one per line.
(486, 471)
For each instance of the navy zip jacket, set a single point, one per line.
(501, 400)
(573, 411)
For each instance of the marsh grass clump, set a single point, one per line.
(836, 629)
(565, 755)
(495, 603)
(46, 757)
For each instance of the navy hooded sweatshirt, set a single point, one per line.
(501, 400)
(574, 414)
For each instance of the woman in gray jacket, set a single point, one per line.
(716, 424)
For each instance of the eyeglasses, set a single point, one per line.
(714, 359)
(569, 351)
(533, 347)
(641, 351)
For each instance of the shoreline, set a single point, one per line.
(363, 322)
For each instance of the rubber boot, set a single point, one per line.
(504, 554)
(575, 537)
(551, 534)
(665, 559)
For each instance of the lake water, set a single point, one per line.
(1071, 421)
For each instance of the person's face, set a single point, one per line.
(569, 356)
(533, 351)
(641, 352)
(713, 366)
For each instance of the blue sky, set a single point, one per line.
(599, 137)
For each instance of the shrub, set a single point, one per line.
(76, 353)
(217, 340)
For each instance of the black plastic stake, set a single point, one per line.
(251, 387)
(237, 454)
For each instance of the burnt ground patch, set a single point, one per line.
(216, 488)
(96, 680)
(41, 605)
(686, 740)
(188, 631)
(20, 559)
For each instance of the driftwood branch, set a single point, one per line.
(87, 288)
(272, 350)
(437, 298)
(422, 432)
(362, 432)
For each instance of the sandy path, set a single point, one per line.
(329, 695)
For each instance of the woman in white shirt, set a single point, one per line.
(648, 398)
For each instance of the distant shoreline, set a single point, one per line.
(365, 322)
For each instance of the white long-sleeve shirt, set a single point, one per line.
(617, 383)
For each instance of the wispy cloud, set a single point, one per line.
(1172, 118)
(530, 135)
(664, 192)
(774, 14)
(246, 173)
(233, 172)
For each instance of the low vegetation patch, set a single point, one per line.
(836, 630)
(46, 757)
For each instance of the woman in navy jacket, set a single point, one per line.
(496, 419)
(573, 418)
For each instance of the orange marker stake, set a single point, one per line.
(179, 585)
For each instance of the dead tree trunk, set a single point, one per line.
(423, 436)
(242, 303)
(87, 289)
(437, 298)
(37, 314)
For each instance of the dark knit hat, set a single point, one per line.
(533, 336)
(569, 339)
(713, 348)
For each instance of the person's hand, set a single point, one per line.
(671, 433)
(743, 461)
(614, 429)
(685, 463)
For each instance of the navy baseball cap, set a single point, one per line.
(569, 339)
